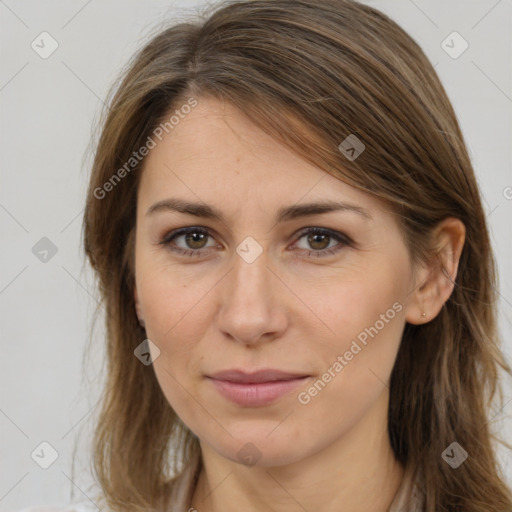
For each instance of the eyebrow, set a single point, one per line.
(287, 213)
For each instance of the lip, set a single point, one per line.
(255, 389)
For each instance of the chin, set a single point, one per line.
(252, 446)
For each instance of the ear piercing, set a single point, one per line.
(423, 315)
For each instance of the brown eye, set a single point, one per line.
(188, 241)
(196, 240)
(318, 242)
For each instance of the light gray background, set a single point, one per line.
(48, 107)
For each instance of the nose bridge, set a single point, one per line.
(250, 278)
(249, 304)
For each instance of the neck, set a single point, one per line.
(358, 471)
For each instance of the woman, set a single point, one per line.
(297, 273)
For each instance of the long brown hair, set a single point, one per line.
(310, 73)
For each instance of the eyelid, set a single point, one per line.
(338, 235)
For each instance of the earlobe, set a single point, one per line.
(437, 277)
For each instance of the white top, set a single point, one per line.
(407, 498)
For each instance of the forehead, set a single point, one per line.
(216, 154)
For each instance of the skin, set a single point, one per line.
(289, 309)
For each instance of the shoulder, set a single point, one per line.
(83, 506)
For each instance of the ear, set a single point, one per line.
(138, 308)
(435, 280)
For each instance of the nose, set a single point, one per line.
(252, 310)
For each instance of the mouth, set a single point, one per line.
(255, 389)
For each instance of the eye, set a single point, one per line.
(323, 242)
(193, 241)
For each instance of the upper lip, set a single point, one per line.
(268, 375)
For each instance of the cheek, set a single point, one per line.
(366, 317)
(170, 299)
(175, 316)
(357, 361)
(176, 312)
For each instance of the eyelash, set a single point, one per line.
(344, 241)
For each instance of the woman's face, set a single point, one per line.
(277, 323)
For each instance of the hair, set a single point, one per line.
(309, 73)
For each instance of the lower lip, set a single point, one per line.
(256, 394)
